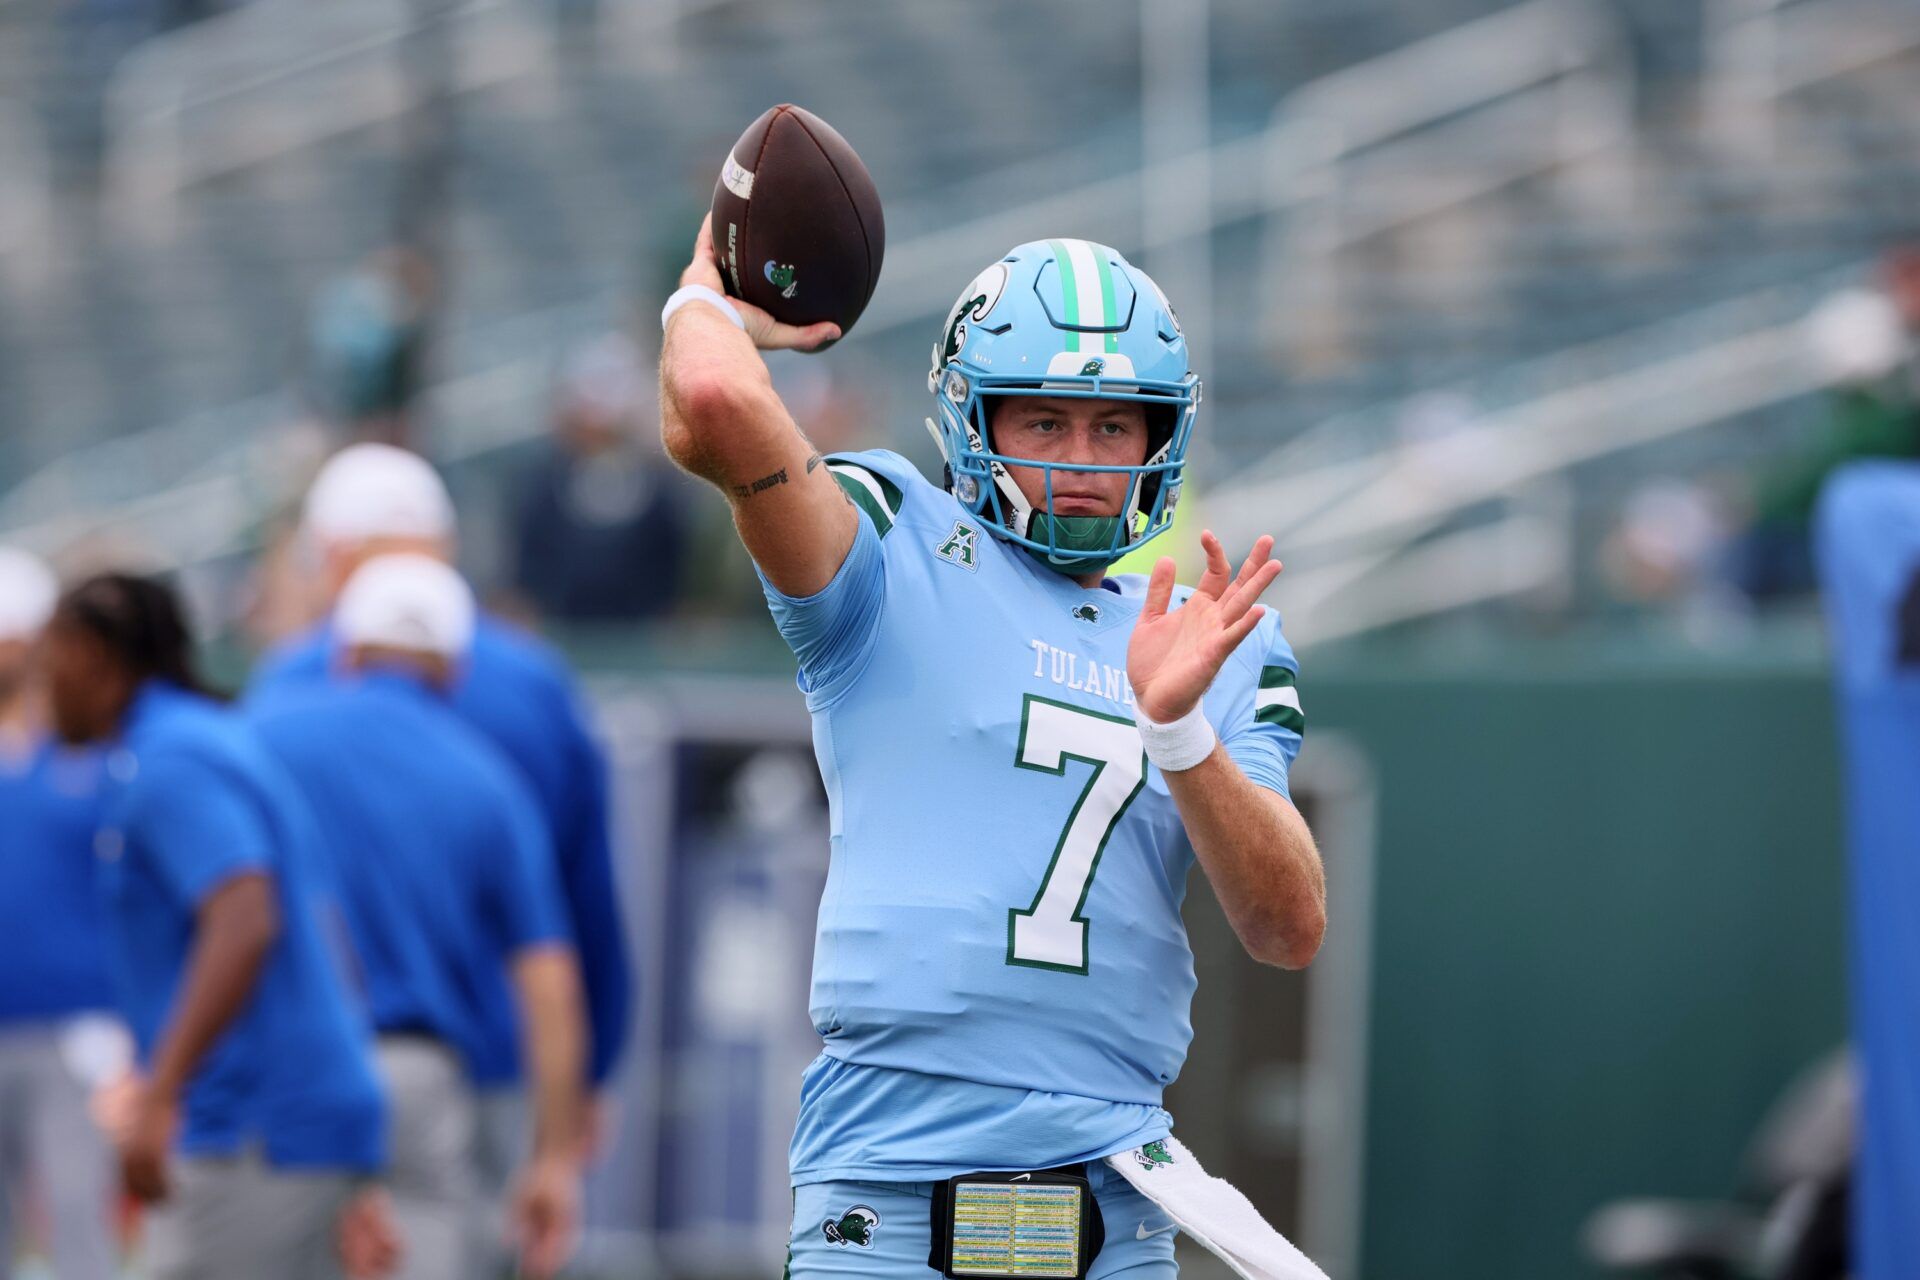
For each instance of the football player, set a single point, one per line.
(1024, 757)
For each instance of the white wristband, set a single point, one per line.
(699, 293)
(1179, 744)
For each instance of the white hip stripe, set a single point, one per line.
(1213, 1211)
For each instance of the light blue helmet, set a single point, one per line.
(1072, 319)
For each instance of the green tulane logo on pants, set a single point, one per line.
(856, 1227)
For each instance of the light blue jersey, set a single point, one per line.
(1001, 974)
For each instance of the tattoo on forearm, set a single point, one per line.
(761, 485)
(813, 460)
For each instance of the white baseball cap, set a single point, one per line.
(406, 601)
(371, 491)
(28, 592)
(1856, 336)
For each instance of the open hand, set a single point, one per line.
(767, 333)
(1174, 656)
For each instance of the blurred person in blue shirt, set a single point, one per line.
(257, 1114)
(448, 883)
(373, 499)
(54, 1040)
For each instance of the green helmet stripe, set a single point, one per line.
(1069, 291)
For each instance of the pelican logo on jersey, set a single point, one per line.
(961, 547)
(854, 1227)
(781, 277)
(1087, 612)
(1154, 1153)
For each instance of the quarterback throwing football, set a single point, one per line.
(1023, 758)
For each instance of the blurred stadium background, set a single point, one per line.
(1527, 329)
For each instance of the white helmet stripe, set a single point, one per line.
(1087, 303)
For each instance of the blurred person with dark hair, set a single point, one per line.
(448, 883)
(54, 1042)
(1865, 343)
(373, 499)
(257, 1114)
(601, 530)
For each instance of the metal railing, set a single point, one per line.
(1298, 161)
(1566, 51)
(1362, 526)
(272, 77)
(1760, 52)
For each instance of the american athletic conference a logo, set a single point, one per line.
(961, 547)
(854, 1227)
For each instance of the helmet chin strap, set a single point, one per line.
(1087, 540)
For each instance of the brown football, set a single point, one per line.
(797, 227)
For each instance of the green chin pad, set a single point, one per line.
(1085, 543)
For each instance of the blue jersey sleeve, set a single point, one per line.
(524, 899)
(197, 826)
(833, 631)
(593, 898)
(1264, 730)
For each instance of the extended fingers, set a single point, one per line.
(1159, 588)
(1247, 592)
(1219, 572)
(1242, 627)
(1261, 553)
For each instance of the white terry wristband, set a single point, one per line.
(1179, 744)
(699, 293)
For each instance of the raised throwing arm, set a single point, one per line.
(721, 420)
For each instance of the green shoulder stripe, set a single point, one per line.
(1277, 701)
(872, 492)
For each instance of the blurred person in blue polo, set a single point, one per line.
(257, 1115)
(601, 527)
(1023, 756)
(374, 499)
(56, 1042)
(1867, 536)
(448, 884)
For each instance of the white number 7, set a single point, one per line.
(1052, 934)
